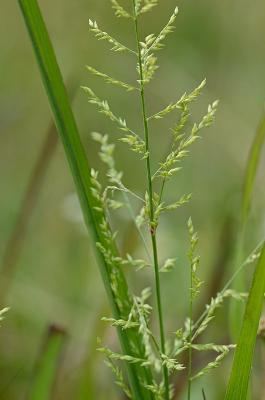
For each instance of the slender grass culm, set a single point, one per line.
(145, 367)
(152, 222)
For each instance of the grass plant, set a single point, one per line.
(150, 361)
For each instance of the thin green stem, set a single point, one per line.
(130, 209)
(151, 206)
(162, 190)
(164, 179)
(190, 338)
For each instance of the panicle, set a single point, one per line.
(182, 104)
(3, 312)
(148, 5)
(223, 350)
(119, 10)
(135, 317)
(194, 261)
(101, 35)
(168, 28)
(109, 79)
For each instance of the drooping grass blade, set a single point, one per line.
(236, 309)
(67, 128)
(251, 170)
(239, 378)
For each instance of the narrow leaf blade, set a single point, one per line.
(67, 128)
(47, 366)
(239, 378)
(236, 309)
(252, 167)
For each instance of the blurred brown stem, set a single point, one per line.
(15, 242)
(16, 239)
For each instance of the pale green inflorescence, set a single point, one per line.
(162, 361)
(3, 312)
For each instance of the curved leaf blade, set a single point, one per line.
(252, 167)
(81, 172)
(239, 378)
(236, 309)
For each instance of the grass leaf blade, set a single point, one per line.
(251, 170)
(236, 309)
(239, 378)
(47, 365)
(81, 172)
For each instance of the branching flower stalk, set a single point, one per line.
(158, 359)
(153, 224)
(195, 284)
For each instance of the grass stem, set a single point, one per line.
(153, 226)
(190, 339)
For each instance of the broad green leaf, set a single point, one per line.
(239, 378)
(67, 128)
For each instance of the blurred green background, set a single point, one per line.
(55, 278)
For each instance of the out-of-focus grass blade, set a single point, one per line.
(251, 170)
(236, 309)
(67, 128)
(239, 378)
(88, 387)
(44, 376)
